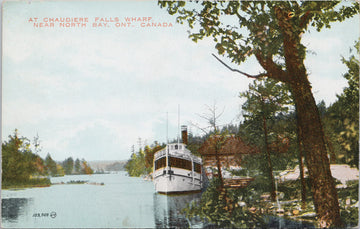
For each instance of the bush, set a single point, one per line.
(34, 182)
(350, 216)
(220, 207)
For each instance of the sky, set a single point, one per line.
(91, 92)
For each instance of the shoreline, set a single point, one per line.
(15, 187)
(25, 186)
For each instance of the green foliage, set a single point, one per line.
(68, 165)
(194, 143)
(77, 166)
(23, 168)
(266, 100)
(141, 163)
(39, 165)
(240, 28)
(76, 182)
(221, 208)
(350, 216)
(149, 155)
(59, 171)
(136, 165)
(33, 182)
(350, 213)
(266, 97)
(51, 166)
(292, 188)
(85, 168)
(272, 32)
(351, 191)
(17, 164)
(342, 118)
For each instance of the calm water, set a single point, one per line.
(122, 202)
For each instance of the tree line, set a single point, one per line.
(22, 165)
(270, 123)
(272, 32)
(141, 162)
(66, 167)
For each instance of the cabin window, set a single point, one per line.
(197, 167)
(160, 163)
(180, 163)
(176, 146)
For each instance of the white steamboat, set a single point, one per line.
(177, 170)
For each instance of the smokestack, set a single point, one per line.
(184, 134)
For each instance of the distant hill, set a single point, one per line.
(107, 165)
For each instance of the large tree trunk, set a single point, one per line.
(323, 186)
(311, 131)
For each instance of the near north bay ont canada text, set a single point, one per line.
(97, 22)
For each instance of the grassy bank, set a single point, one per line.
(31, 183)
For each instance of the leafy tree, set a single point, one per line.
(343, 115)
(86, 169)
(20, 166)
(51, 165)
(16, 164)
(68, 165)
(194, 143)
(272, 32)
(132, 166)
(77, 166)
(39, 165)
(136, 165)
(36, 144)
(60, 170)
(266, 98)
(215, 207)
(37, 160)
(149, 155)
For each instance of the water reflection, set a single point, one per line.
(278, 222)
(12, 208)
(167, 211)
(168, 214)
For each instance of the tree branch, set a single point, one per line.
(274, 71)
(198, 126)
(305, 20)
(238, 71)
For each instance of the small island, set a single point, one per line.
(22, 167)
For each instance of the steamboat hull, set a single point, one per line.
(176, 170)
(177, 184)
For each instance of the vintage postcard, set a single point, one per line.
(157, 114)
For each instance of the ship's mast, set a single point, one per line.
(167, 127)
(178, 132)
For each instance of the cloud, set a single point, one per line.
(322, 44)
(92, 93)
(99, 138)
(327, 88)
